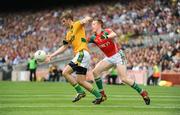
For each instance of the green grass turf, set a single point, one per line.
(25, 98)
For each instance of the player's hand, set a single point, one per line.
(86, 20)
(48, 58)
(89, 18)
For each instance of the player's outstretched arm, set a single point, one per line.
(80, 24)
(85, 20)
(112, 34)
(58, 51)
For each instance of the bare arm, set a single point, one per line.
(79, 25)
(85, 20)
(60, 50)
(112, 34)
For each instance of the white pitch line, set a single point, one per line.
(90, 98)
(96, 106)
(57, 95)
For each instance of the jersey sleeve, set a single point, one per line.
(68, 37)
(65, 42)
(108, 30)
(91, 39)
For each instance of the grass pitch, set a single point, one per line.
(25, 98)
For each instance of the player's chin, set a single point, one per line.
(94, 31)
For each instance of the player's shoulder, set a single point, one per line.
(108, 30)
(77, 22)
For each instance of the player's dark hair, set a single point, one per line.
(99, 21)
(67, 15)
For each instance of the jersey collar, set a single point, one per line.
(71, 26)
(102, 30)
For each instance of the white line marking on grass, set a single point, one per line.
(57, 95)
(96, 106)
(87, 98)
(173, 96)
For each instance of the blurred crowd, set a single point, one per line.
(25, 32)
(165, 54)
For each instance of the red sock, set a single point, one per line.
(102, 92)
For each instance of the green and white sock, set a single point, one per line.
(137, 88)
(78, 88)
(99, 83)
(96, 93)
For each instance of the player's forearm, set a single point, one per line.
(85, 20)
(112, 35)
(59, 51)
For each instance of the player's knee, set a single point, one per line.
(65, 73)
(124, 79)
(81, 82)
(95, 73)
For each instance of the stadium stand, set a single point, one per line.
(25, 32)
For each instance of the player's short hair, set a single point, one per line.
(67, 15)
(99, 21)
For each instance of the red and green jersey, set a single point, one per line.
(108, 46)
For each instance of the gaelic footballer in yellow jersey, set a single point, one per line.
(75, 36)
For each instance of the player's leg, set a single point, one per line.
(67, 74)
(120, 61)
(82, 60)
(99, 68)
(82, 81)
(123, 76)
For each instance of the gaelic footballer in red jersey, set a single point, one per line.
(108, 46)
(105, 40)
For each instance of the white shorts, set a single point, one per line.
(82, 59)
(118, 58)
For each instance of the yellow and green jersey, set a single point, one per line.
(76, 36)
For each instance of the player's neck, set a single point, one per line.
(70, 24)
(99, 31)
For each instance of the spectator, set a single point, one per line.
(54, 73)
(29, 31)
(32, 66)
(112, 76)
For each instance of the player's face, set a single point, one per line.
(95, 26)
(64, 22)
